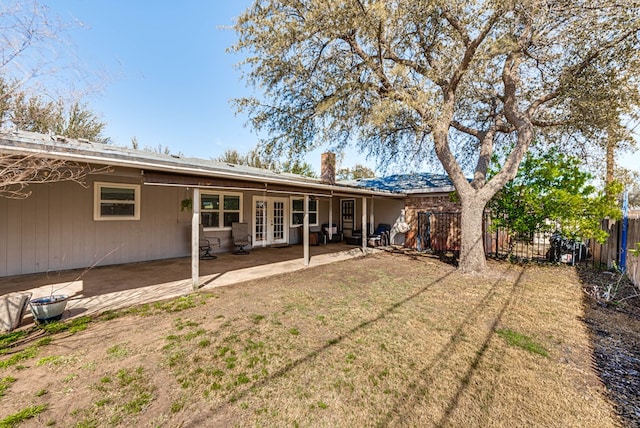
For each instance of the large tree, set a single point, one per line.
(37, 53)
(40, 74)
(415, 77)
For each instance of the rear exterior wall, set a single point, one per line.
(54, 229)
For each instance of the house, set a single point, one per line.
(135, 210)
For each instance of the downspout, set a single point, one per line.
(625, 227)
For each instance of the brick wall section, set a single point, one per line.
(439, 202)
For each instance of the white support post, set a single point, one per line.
(195, 240)
(364, 227)
(305, 230)
(330, 218)
(372, 220)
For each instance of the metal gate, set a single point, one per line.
(438, 231)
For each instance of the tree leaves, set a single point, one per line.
(32, 113)
(553, 191)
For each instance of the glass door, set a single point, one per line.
(260, 216)
(277, 221)
(270, 225)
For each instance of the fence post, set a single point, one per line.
(625, 227)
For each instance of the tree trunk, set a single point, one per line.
(610, 156)
(472, 256)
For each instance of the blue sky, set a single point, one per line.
(170, 77)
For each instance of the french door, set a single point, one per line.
(270, 220)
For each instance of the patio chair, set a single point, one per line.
(241, 237)
(205, 245)
(380, 236)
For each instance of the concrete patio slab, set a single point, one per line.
(115, 287)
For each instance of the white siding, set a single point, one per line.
(53, 229)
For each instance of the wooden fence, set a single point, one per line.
(607, 255)
(633, 245)
(440, 232)
(633, 269)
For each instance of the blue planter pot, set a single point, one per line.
(49, 308)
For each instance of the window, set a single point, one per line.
(219, 210)
(116, 201)
(297, 212)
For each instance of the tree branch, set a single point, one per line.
(579, 68)
(467, 130)
(18, 172)
(446, 12)
(470, 51)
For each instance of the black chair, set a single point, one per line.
(355, 238)
(205, 245)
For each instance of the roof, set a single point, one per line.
(423, 182)
(57, 147)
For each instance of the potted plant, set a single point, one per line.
(186, 204)
(48, 308)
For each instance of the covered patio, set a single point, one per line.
(104, 288)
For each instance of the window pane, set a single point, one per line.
(109, 209)
(117, 194)
(297, 205)
(298, 218)
(210, 219)
(230, 218)
(210, 202)
(313, 205)
(313, 218)
(232, 203)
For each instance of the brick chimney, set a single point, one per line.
(328, 168)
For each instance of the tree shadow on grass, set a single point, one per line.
(420, 387)
(329, 344)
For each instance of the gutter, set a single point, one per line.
(82, 155)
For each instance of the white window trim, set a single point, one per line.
(221, 210)
(98, 185)
(299, 198)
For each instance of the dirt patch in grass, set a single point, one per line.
(614, 325)
(385, 340)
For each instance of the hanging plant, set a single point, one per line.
(186, 204)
